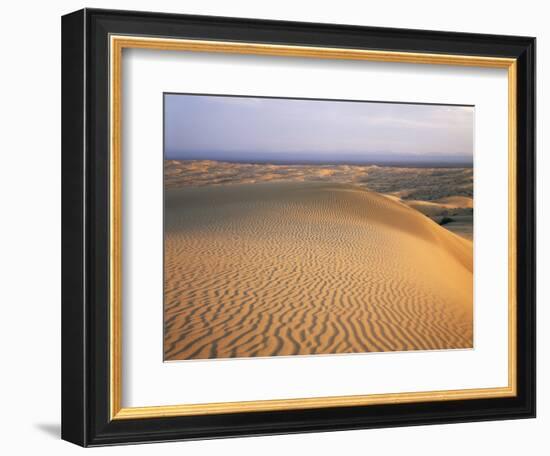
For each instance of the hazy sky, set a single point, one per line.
(286, 130)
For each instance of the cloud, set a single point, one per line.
(243, 128)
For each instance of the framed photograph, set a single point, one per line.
(278, 227)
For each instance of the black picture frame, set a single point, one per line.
(85, 225)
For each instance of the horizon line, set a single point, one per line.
(389, 163)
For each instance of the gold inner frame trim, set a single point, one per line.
(117, 44)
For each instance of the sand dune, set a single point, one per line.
(457, 210)
(287, 268)
(436, 192)
(437, 207)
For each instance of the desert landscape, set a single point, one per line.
(267, 260)
(443, 194)
(316, 227)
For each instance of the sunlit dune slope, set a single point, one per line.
(290, 268)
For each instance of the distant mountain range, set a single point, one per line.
(406, 161)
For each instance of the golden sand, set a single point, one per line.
(290, 268)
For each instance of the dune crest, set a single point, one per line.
(299, 268)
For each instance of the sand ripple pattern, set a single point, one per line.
(309, 268)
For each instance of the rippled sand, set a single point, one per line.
(436, 192)
(299, 268)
